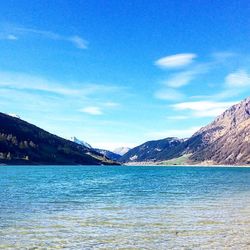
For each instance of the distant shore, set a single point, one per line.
(155, 164)
(142, 164)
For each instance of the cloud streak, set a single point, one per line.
(203, 108)
(10, 37)
(238, 79)
(168, 94)
(180, 79)
(92, 110)
(26, 82)
(11, 32)
(175, 61)
(235, 83)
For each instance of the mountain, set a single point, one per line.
(121, 150)
(15, 115)
(83, 143)
(24, 143)
(227, 139)
(224, 141)
(110, 155)
(152, 150)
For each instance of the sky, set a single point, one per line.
(119, 73)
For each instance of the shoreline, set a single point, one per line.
(137, 164)
(151, 164)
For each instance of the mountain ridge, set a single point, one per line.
(107, 153)
(24, 143)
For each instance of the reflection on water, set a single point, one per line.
(124, 208)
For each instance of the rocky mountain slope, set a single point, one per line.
(24, 143)
(110, 155)
(152, 150)
(80, 142)
(224, 141)
(121, 150)
(227, 139)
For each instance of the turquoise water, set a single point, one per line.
(86, 207)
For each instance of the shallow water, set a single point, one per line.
(45, 207)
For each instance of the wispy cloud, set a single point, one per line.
(24, 81)
(222, 56)
(92, 110)
(203, 108)
(177, 117)
(235, 84)
(180, 79)
(183, 78)
(98, 109)
(111, 104)
(8, 37)
(168, 94)
(27, 82)
(12, 32)
(79, 42)
(175, 61)
(238, 79)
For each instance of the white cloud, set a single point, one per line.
(239, 78)
(222, 56)
(78, 42)
(168, 94)
(26, 82)
(12, 32)
(204, 108)
(111, 104)
(11, 37)
(185, 77)
(177, 117)
(92, 110)
(236, 83)
(180, 133)
(180, 79)
(23, 81)
(175, 61)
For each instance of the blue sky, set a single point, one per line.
(119, 73)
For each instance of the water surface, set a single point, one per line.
(86, 207)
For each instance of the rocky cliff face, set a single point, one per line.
(227, 139)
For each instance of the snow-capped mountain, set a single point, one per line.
(121, 150)
(15, 116)
(83, 143)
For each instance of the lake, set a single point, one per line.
(104, 207)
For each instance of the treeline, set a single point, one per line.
(13, 144)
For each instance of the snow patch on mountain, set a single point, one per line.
(80, 142)
(14, 115)
(121, 150)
